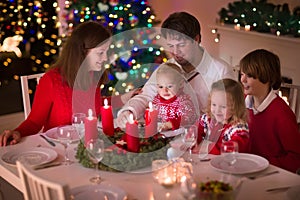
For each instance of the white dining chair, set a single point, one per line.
(37, 188)
(293, 98)
(25, 91)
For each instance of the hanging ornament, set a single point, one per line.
(113, 2)
(133, 20)
(119, 26)
(121, 75)
(102, 7)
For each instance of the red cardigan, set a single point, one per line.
(274, 135)
(53, 104)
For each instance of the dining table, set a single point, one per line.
(140, 184)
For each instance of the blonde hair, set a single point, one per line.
(235, 91)
(171, 68)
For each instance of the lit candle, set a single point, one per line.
(107, 119)
(151, 117)
(90, 126)
(247, 27)
(132, 135)
(237, 27)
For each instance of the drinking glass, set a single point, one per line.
(78, 123)
(65, 135)
(189, 138)
(95, 148)
(229, 149)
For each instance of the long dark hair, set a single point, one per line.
(85, 36)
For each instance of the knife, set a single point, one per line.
(49, 141)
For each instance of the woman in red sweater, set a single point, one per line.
(273, 127)
(70, 86)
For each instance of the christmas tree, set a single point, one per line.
(29, 43)
(132, 51)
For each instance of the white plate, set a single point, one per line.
(52, 135)
(98, 192)
(246, 163)
(32, 156)
(173, 133)
(293, 192)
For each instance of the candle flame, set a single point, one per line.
(105, 102)
(131, 121)
(150, 106)
(90, 114)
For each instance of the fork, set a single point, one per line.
(262, 175)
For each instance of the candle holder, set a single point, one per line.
(163, 173)
(166, 176)
(169, 173)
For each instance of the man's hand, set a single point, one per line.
(123, 118)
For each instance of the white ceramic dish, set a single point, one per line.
(246, 163)
(32, 156)
(51, 134)
(98, 192)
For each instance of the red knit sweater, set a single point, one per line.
(238, 132)
(179, 110)
(53, 104)
(274, 135)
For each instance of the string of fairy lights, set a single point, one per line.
(130, 71)
(31, 21)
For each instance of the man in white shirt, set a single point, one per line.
(182, 34)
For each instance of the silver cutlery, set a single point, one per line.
(262, 175)
(278, 189)
(49, 141)
(46, 165)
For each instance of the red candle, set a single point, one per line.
(107, 119)
(132, 135)
(151, 117)
(90, 126)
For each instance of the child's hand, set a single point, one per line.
(165, 126)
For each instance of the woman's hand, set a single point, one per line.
(8, 137)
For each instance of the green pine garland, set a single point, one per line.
(118, 159)
(262, 16)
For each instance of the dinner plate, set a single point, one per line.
(246, 163)
(32, 156)
(293, 192)
(52, 135)
(98, 192)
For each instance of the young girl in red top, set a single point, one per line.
(226, 117)
(273, 127)
(70, 86)
(174, 107)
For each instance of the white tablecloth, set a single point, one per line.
(141, 186)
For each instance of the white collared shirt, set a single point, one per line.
(266, 102)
